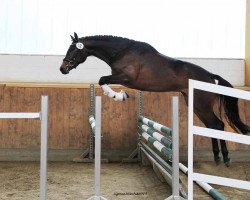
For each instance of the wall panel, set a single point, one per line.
(45, 69)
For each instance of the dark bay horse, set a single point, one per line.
(139, 66)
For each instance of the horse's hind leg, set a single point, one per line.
(204, 110)
(225, 152)
(216, 150)
(212, 121)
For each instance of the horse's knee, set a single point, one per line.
(103, 80)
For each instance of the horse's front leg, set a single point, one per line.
(113, 79)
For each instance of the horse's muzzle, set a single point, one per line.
(65, 68)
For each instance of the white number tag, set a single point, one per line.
(79, 45)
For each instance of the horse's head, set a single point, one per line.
(76, 55)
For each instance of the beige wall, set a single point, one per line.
(247, 74)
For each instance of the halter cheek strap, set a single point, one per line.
(79, 46)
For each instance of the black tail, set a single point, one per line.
(231, 108)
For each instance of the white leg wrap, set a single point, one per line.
(118, 96)
(108, 91)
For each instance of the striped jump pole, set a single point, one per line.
(155, 125)
(92, 123)
(209, 189)
(159, 137)
(159, 146)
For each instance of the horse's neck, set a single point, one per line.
(102, 53)
(105, 50)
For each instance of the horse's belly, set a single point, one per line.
(156, 85)
(161, 83)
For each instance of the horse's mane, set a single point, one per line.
(107, 38)
(139, 47)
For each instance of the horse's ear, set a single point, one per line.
(74, 39)
(76, 36)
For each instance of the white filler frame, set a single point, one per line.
(43, 116)
(212, 133)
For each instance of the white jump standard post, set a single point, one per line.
(44, 148)
(43, 116)
(97, 195)
(175, 160)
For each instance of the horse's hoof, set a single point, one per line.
(183, 193)
(127, 96)
(119, 96)
(228, 162)
(217, 160)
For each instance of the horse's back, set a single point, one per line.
(170, 74)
